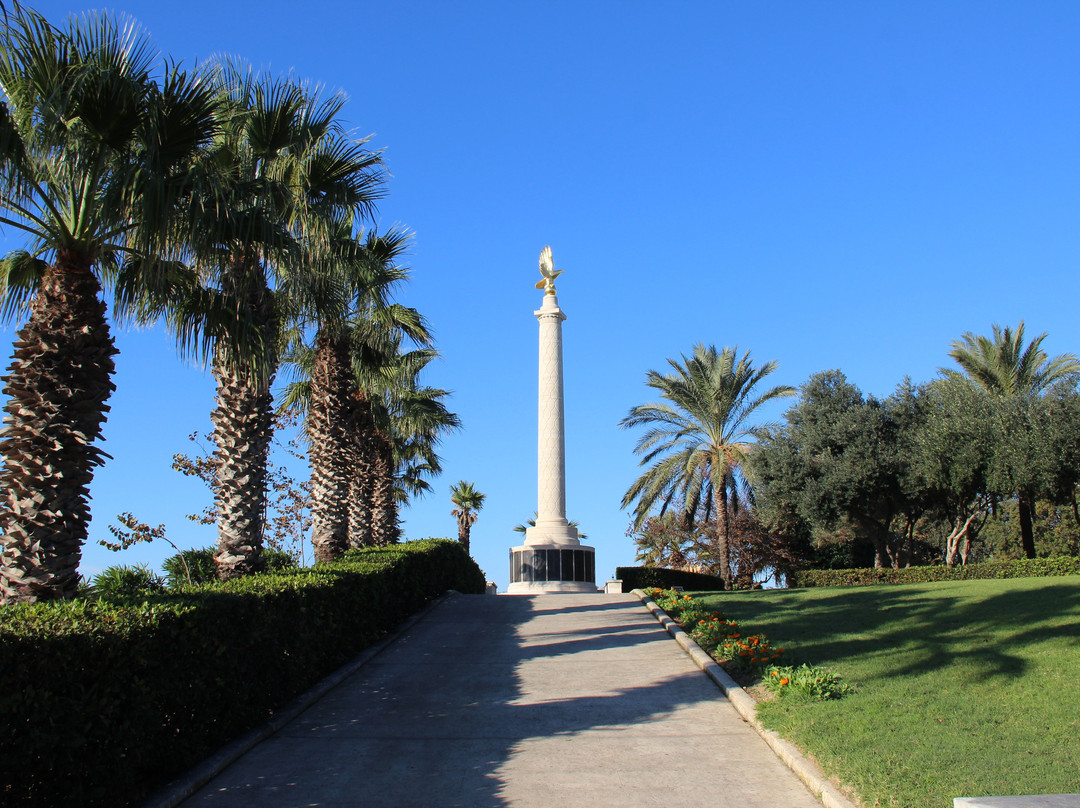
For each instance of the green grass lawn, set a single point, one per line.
(966, 688)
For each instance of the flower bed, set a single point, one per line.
(749, 657)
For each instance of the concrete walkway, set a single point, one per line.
(553, 700)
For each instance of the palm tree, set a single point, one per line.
(699, 437)
(275, 189)
(1006, 368)
(409, 420)
(94, 156)
(468, 501)
(354, 286)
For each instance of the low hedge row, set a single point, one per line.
(105, 700)
(1017, 568)
(643, 577)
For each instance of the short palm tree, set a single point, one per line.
(468, 501)
(698, 437)
(1005, 367)
(94, 157)
(409, 422)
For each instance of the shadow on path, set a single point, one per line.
(515, 700)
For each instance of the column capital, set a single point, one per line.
(549, 308)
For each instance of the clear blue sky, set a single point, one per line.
(831, 185)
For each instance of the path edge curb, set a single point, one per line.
(174, 793)
(746, 706)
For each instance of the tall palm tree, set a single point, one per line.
(1006, 368)
(354, 285)
(94, 155)
(699, 437)
(395, 425)
(468, 501)
(275, 189)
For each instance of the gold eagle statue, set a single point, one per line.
(547, 269)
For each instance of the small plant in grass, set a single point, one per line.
(816, 683)
(122, 581)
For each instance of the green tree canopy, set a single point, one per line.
(698, 438)
(468, 500)
(97, 139)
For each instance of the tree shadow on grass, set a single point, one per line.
(927, 628)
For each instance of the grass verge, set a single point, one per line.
(965, 688)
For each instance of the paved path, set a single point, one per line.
(552, 700)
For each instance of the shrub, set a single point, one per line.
(200, 564)
(122, 582)
(277, 560)
(110, 699)
(815, 683)
(203, 570)
(643, 577)
(1015, 568)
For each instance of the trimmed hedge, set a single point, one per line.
(105, 700)
(642, 577)
(1017, 568)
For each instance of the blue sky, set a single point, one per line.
(830, 185)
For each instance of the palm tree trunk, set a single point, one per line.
(57, 386)
(723, 533)
(1027, 531)
(243, 425)
(384, 523)
(361, 439)
(243, 428)
(464, 528)
(329, 455)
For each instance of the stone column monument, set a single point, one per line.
(552, 558)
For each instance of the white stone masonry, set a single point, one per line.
(551, 524)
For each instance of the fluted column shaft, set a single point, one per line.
(551, 441)
(551, 525)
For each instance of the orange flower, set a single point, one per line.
(775, 673)
(784, 681)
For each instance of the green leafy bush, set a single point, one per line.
(106, 700)
(1016, 568)
(812, 682)
(643, 577)
(121, 582)
(200, 565)
(203, 570)
(277, 560)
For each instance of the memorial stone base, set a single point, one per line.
(552, 568)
